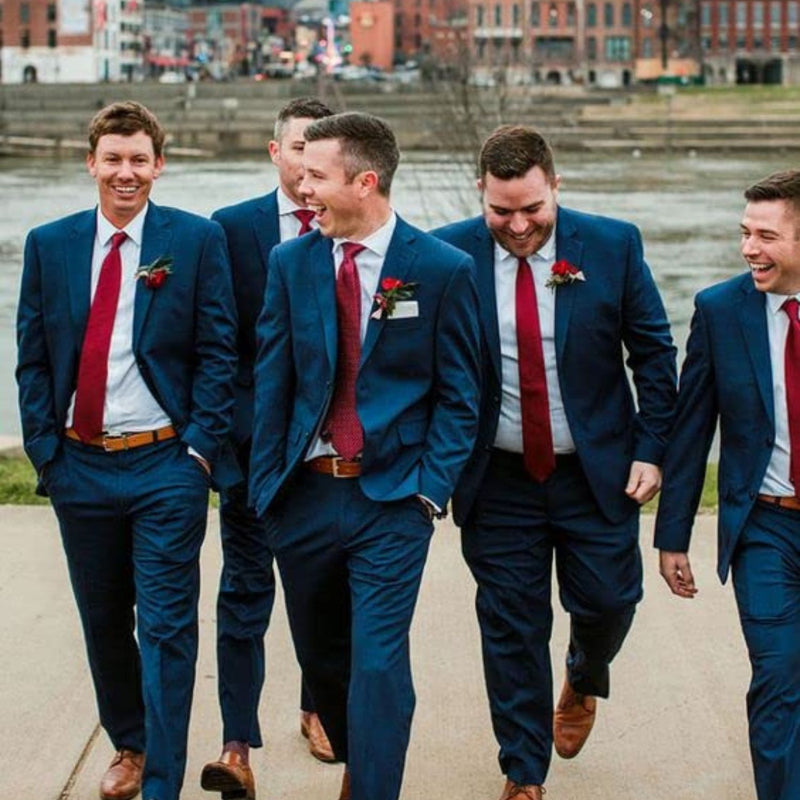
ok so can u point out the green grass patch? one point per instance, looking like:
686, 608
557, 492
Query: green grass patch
708, 499
18, 481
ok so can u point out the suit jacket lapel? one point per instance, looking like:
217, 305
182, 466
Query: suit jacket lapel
323, 279
156, 240
752, 316
78, 267
487, 295
569, 248
397, 264
267, 226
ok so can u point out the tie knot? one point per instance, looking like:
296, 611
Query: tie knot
351, 250
305, 215
117, 239
790, 306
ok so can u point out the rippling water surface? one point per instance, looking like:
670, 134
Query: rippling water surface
687, 208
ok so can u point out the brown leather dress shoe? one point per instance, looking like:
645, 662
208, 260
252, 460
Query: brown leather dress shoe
123, 778
231, 775
318, 744
518, 791
344, 794
572, 721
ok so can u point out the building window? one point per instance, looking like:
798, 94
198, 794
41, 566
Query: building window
618, 48
498, 15
51, 12
647, 48
705, 14
627, 15
24, 14
722, 42
515, 15
791, 9
758, 15
608, 16
792, 43
775, 44
741, 42
535, 21
705, 43
552, 16
571, 14
479, 16
52, 40
741, 14
591, 15
591, 48
722, 11
775, 14
647, 16
758, 42
25, 39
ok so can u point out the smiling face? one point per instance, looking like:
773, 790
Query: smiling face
344, 208
770, 245
520, 212
287, 156
124, 168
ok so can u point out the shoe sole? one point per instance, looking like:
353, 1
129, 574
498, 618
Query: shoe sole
218, 780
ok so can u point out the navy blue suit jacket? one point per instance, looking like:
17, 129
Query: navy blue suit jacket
617, 305
252, 229
727, 375
183, 332
418, 382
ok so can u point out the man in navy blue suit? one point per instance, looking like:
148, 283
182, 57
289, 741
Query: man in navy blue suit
247, 584
742, 368
365, 413
127, 352
563, 457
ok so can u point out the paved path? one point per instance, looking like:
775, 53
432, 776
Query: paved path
674, 729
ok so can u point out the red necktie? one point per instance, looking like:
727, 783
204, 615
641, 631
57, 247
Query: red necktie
346, 434
792, 378
90, 393
305, 216
537, 439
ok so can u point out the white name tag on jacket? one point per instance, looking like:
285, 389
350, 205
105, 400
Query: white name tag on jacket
403, 309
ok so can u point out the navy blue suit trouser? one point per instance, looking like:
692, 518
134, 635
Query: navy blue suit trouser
351, 570
132, 524
508, 541
766, 579
244, 606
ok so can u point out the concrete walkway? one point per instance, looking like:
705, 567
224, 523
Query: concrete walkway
674, 729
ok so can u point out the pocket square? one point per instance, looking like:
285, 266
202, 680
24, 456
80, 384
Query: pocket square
403, 309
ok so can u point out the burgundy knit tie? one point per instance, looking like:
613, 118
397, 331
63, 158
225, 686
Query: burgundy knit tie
90, 393
305, 216
343, 424
792, 378
537, 438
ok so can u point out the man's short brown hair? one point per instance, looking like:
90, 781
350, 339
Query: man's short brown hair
300, 108
126, 119
511, 151
367, 143
778, 186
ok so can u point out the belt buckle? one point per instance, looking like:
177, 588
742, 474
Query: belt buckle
123, 437
335, 461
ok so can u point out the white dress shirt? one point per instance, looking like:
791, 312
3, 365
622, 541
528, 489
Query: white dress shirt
509, 425
289, 225
776, 479
369, 263
129, 404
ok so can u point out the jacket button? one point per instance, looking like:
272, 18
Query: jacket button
769, 442
752, 495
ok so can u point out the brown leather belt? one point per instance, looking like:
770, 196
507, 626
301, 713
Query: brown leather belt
112, 443
782, 502
336, 466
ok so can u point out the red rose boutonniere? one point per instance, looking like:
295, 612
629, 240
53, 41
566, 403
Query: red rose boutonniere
155, 274
563, 272
392, 291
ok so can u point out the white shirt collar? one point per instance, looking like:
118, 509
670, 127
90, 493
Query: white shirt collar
776, 301
378, 241
134, 229
547, 252
285, 204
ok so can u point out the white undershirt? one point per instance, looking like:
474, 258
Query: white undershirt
288, 224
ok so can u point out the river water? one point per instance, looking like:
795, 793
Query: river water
688, 209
